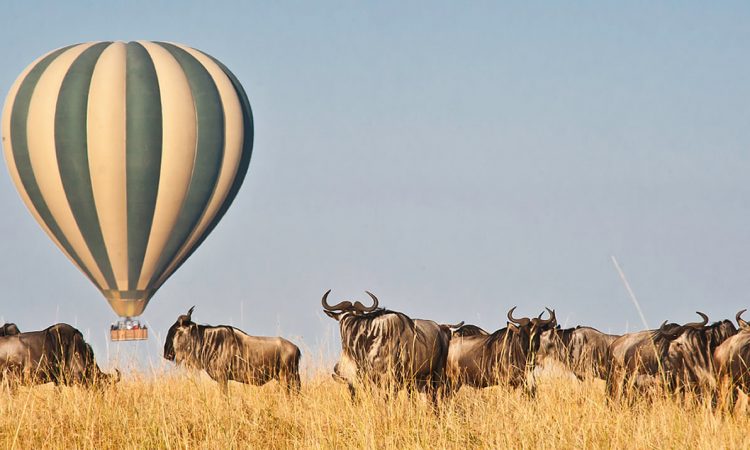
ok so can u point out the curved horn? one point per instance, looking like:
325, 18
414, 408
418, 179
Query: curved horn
742, 323
362, 308
697, 325
337, 307
190, 312
671, 333
117, 375
552, 317
523, 321
454, 326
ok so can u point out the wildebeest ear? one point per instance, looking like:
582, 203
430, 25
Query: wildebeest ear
333, 315
513, 328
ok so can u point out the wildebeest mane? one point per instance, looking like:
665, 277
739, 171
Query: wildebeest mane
502, 333
382, 312
469, 330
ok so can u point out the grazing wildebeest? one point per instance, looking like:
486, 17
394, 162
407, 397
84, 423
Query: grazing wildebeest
691, 355
57, 354
582, 350
479, 359
732, 361
9, 329
227, 353
388, 348
641, 359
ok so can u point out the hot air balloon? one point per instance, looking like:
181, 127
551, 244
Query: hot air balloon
128, 155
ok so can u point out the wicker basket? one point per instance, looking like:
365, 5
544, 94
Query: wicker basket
129, 335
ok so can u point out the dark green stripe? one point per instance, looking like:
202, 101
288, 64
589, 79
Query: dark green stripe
72, 154
143, 137
19, 143
208, 157
247, 150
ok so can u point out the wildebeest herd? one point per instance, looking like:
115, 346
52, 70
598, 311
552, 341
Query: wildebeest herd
389, 350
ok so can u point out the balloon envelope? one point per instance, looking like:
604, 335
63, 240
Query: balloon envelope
128, 155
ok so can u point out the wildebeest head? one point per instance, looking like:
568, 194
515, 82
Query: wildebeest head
9, 329
529, 330
341, 309
83, 362
178, 336
531, 327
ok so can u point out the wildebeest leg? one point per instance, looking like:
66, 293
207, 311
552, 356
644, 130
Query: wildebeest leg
10, 382
224, 386
13, 385
530, 384
518, 381
292, 383
741, 402
614, 386
436, 390
725, 394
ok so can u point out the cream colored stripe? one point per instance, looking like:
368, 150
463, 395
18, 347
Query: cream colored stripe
42, 152
10, 159
233, 139
105, 129
179, 140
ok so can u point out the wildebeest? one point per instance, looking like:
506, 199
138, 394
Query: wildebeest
583, 350
479, 359
641, 359
691, 355
227, 353
388, 348
732, 360
57, 354
9, 329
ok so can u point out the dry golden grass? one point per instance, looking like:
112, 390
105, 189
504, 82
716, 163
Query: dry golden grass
188, 411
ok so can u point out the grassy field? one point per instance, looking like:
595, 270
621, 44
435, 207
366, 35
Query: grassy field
186, 410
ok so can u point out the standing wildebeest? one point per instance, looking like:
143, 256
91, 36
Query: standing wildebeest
57, 354
583, 350
732, 360
479, 359
9, 329
691, 355
641, 359
388, 348
226, 353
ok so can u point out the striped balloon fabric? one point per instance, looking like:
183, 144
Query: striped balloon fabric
128, 155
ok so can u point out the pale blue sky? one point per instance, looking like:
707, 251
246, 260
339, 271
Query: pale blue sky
455, 160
